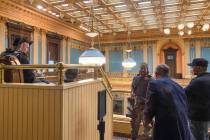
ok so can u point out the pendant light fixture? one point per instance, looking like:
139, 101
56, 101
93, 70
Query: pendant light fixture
128, 63
91, 33
92, 56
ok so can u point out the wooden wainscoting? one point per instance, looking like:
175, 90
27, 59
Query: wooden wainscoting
48, 112
80, 110
30, 112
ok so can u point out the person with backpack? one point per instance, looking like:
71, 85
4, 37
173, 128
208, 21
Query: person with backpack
21, 50
21, 46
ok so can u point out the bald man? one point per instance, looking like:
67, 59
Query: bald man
166, 102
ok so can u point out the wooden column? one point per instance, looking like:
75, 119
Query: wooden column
63, 49
145, 52
107, 59
155, 56
187, 59
69, 50
197, 49
125, 72
3, 34
44, 47
35, 45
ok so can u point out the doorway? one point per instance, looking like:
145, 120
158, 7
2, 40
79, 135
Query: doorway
170, 60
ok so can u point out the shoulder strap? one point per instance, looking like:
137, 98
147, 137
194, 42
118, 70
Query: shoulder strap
16, 53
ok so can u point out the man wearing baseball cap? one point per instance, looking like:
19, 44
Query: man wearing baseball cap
20, 50
198, 95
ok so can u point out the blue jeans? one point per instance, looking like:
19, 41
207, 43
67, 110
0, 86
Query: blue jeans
200, 129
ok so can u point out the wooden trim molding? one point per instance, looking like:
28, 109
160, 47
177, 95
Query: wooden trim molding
33, 18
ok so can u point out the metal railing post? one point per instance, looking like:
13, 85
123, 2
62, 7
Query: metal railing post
1, 73
95, 73
60, 67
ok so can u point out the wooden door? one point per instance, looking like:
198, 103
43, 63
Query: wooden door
53, 48
170, 60
19, 30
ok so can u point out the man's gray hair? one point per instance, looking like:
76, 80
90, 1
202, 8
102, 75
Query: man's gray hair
162, 69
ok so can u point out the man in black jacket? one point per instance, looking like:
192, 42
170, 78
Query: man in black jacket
198, 95
21, 50
21, 47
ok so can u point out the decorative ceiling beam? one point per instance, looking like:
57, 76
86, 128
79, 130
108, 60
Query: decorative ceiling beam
185, 4
30, 16
205, 12
137, 13
98, 20
155, 37
65, 17
111, 12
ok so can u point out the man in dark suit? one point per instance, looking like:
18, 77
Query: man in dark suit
198, 95
166, 102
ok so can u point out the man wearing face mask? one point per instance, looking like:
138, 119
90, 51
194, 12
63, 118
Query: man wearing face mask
138, 95
198, 95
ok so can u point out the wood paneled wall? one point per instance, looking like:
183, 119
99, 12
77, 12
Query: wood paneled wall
80, 110
68, 112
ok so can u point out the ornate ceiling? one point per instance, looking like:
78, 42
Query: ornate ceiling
117, 16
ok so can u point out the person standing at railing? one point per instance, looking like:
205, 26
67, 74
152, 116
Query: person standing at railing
138, 95
21, 46
20, 50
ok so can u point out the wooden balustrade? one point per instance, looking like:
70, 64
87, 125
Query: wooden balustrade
63, 111
52, 112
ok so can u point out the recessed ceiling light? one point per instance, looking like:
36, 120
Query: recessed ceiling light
57, 15
53, 13
181, 33
205, 27
119, 6
50, 12
167, 31
181, 26
87, 1
190, 24
65, 5
189, 32
39, 7
44, 9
